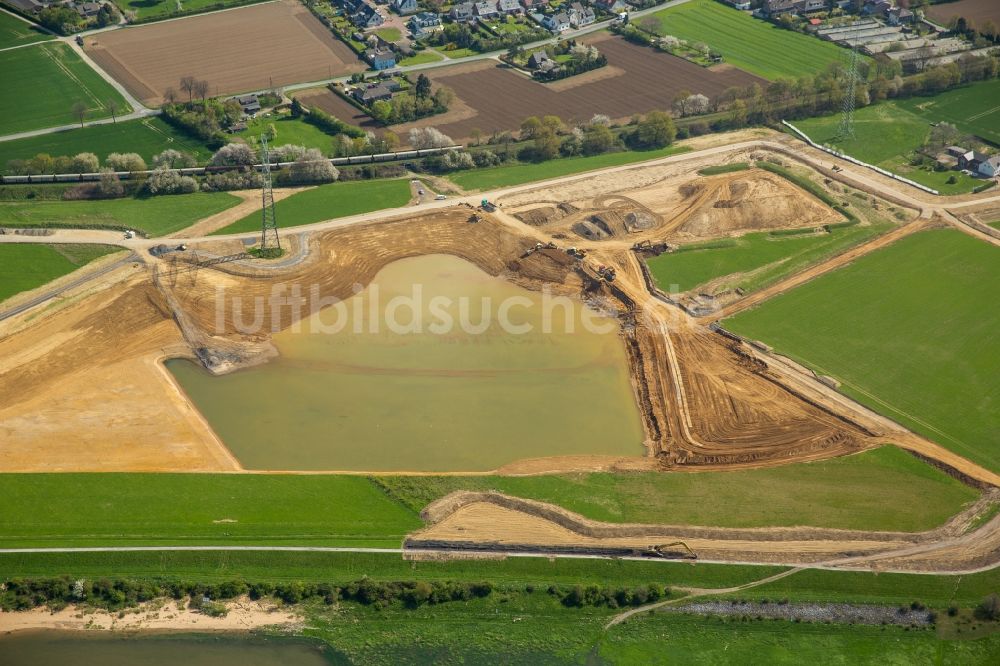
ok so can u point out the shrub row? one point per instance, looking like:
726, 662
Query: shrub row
24, 594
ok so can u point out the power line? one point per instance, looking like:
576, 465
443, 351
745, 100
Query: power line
269, 225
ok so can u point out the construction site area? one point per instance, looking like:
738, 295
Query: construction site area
84, 385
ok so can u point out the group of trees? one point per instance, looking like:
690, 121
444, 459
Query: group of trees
118, 594
595, 595
66, 20
43, 163
404, 107
551, 138
204, 120
582, 59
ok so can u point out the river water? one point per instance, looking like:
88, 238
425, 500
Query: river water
83, 649
372, 397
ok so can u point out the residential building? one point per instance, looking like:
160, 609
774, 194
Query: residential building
511, 7
362, 14
558, 22
87, 9
381, 58
486, 9
534, 5
740, 4
613, 6
462, 13
580, 16
405, 7
423, 24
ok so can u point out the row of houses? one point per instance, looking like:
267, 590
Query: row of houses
885, 9
576, 15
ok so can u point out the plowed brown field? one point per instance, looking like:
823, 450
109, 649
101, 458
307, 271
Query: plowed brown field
976, 11
644, 80
255, 48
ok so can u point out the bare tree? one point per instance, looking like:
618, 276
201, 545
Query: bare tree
200, 89
113, 109
187, 85
80, 111
170, 95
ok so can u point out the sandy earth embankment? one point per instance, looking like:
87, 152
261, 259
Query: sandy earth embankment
244, 614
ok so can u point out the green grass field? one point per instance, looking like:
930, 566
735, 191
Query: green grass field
291, 131
907, 331
146, 136
389, 34
833, 493
163, 9
26, 266
503, 176
886, 135
754, 260
15, 32
748, 43
327, 202
41, 84
421, 58
163, 509
974, 109
156, 216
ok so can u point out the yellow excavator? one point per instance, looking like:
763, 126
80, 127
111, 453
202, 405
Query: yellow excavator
664, 550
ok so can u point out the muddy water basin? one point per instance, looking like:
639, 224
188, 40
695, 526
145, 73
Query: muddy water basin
435, 366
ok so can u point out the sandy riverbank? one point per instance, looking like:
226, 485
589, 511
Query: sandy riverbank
161, 615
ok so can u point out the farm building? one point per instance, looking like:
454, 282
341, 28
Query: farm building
249, 103
374, 93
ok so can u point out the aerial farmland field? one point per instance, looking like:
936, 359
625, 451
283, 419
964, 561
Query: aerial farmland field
164, 9
146, 136
975, 11
252, 48
636, 79
974, 109
15, 31
42, 82
887, 135
748, 43
903, 329
25, 267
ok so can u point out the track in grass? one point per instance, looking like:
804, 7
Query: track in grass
42, 83
146, 136
906, 330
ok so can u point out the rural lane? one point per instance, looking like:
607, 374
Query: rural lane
457, 554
